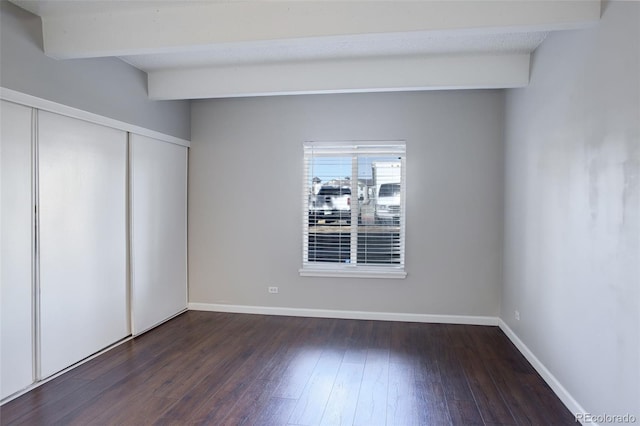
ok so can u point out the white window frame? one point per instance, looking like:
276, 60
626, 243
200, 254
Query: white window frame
354, 149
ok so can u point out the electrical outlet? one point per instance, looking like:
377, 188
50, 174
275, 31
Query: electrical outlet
517, 315
273, 290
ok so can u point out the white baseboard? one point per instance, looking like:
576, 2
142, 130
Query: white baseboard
562, 393
360, 315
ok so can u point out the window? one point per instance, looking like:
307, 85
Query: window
354, 209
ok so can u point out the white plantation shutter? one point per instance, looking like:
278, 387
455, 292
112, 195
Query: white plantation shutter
354, 209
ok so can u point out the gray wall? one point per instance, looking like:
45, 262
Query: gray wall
572, 259
106, 86
245, 200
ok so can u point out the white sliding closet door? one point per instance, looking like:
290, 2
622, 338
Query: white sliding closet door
16, 344
158, 230
83, 239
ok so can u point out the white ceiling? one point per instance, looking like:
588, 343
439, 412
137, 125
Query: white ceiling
204, 49
337, 47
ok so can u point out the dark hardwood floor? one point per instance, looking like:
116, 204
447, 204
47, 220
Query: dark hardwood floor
231, 369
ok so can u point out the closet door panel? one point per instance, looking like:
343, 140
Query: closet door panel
16, 345
158, 231
83, 246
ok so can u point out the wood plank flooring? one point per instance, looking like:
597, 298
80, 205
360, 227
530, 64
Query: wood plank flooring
205, 368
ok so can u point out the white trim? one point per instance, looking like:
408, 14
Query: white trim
130, 229
35, 248
356, 273
45, 105
359, 315
353, 147
562, 393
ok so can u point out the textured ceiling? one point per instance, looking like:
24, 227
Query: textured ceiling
194, 49
337, 47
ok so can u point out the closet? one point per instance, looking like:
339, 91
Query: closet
82, 239
16, 235
158, 230
93, 237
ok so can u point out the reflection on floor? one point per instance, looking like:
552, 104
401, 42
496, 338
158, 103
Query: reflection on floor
232, 369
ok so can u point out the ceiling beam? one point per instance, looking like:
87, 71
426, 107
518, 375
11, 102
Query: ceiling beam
71, 31
343, 76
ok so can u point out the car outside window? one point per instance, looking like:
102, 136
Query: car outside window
390, 190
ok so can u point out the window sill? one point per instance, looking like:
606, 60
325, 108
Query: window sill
352, 273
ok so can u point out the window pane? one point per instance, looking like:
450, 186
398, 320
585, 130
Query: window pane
330, 209
379, 233
353, 205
